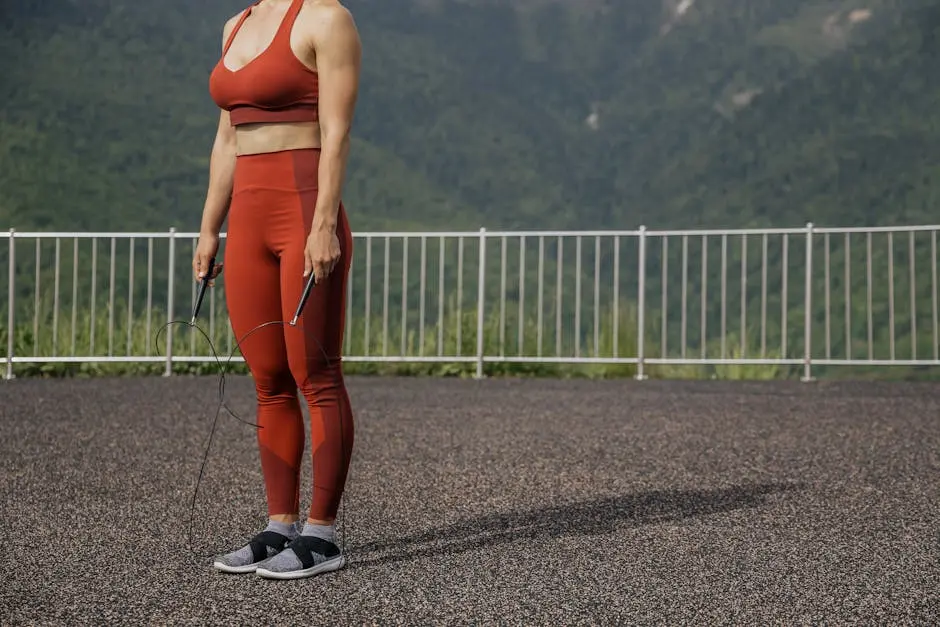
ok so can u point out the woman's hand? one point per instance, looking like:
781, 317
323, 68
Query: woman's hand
321, 253
206, 248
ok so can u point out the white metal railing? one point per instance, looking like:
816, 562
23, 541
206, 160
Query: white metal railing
801, 297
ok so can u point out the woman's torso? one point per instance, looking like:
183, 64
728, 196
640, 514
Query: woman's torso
266, 78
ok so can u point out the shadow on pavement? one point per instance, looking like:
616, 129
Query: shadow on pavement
594, 517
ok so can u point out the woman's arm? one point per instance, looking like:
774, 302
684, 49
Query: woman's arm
221, 163
338, 54
221, 177
221, 182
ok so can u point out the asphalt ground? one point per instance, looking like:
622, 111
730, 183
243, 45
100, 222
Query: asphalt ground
515, 502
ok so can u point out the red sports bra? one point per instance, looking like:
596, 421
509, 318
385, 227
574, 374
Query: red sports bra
275, 86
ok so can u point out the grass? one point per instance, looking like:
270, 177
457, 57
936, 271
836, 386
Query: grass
89, 335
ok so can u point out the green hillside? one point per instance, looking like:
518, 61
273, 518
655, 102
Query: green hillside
476, 113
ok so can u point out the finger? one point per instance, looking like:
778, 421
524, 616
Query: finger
308, 265
203, 265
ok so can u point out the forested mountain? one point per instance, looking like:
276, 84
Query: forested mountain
538, 114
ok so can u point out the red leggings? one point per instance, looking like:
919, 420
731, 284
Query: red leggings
269, 219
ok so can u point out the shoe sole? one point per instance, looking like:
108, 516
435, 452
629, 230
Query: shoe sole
324, 567
239, 570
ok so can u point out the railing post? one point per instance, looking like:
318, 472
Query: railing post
11, 295
808, 307
480, 297
169, 304
641, 306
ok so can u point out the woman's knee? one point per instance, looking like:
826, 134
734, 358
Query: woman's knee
274, 384
316, 373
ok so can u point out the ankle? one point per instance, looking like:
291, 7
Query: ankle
289, 529
322, 523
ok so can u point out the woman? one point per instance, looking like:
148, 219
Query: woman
287, 82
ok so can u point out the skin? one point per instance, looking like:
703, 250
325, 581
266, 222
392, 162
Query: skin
326, 39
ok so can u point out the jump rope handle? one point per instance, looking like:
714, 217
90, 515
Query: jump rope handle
303, 298
202, 291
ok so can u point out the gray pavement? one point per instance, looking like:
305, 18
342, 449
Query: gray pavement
515, 502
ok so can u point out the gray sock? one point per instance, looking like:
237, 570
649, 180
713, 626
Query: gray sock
243, 556
326, 532
287, 560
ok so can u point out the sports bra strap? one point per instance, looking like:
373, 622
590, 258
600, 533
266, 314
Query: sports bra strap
238, 25
288, 24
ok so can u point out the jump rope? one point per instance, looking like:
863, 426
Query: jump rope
222, 370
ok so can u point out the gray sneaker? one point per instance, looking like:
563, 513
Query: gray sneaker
303, 556
260, 549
